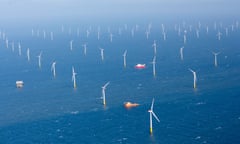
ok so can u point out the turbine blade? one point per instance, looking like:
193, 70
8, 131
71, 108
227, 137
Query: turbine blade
152, 104
155, 116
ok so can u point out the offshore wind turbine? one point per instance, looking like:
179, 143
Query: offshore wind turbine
13, 46
194, 78
132, 32
32, 32
53, 68
124, 59
74, 78
88, 33
154, 66
85, 49
197, 33
111, 37
98, 33
181, 53
6, 43
19, 49
44, 34
154, 45
164, 36
184, 38
28, 54
39, 59
226, 31
215, 58
151, 112
147, 33
103, 92
219, 35
71, 45
51, 35
102, 54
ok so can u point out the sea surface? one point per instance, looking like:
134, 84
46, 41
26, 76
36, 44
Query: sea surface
50, 110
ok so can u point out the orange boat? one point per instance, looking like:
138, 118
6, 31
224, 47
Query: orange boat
130, 105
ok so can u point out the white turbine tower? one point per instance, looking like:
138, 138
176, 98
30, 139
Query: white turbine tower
74, 78
184, 38
87, 33
19, 49
219, 34
102, 54
152, 114
194, 78
103, 92
71, 45
111, 37
28, 54
215, 58
98, 33
197, 33
124, 59
154, 45
85, 49
53, 68
13, 46
6, 43
154, 66
51, 35
39, 59
181, 53
147, 33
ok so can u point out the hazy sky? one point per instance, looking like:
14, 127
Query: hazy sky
115, 9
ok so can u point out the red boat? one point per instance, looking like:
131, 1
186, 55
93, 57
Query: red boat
140, 66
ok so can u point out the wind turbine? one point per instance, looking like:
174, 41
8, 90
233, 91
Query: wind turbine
28, 54
164, 36
219, 35
152, 114
85, 49
98, 33
194, 78
147, 33
88, 32
181, 52
53, 68
215, 58
71, 45
6, 43
103, 92
124, 58
226, 31
32, 32
132, 32
39, 59
163, 28
44, 34
19, 49
111, 37
51, 35
197, 33
154, 45
13, 46
154, 66
74, 78
102, 54
184, 38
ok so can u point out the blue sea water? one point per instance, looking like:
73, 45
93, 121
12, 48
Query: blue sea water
50, 110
